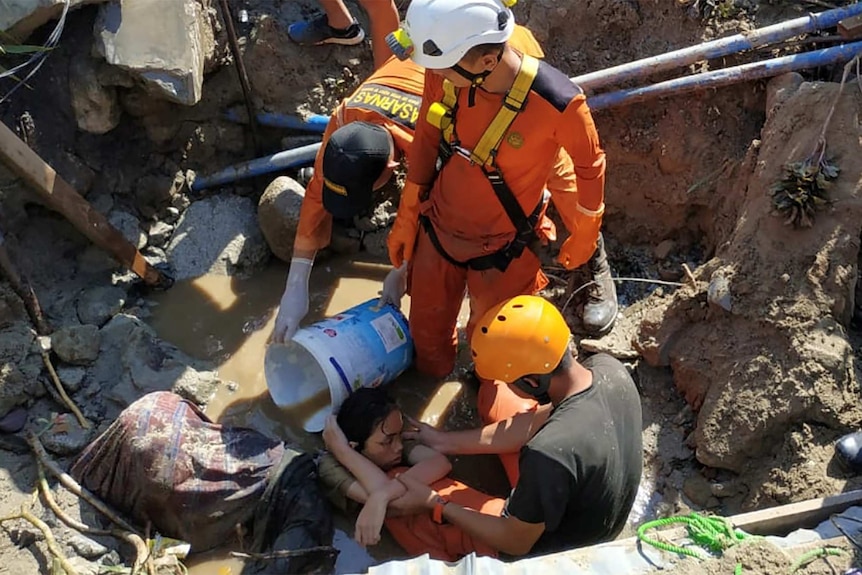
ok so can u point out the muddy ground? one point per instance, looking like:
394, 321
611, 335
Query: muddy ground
742, 405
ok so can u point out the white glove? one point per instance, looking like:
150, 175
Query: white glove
394, 286
294, 302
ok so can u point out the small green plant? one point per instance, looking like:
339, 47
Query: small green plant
804, 190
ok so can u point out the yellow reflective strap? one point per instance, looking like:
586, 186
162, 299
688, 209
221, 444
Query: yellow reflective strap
513, 103
450, 99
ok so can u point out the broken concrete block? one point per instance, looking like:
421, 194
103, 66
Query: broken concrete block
163, 43
96, 107
278, 214
20, 17
219, 234
129, 226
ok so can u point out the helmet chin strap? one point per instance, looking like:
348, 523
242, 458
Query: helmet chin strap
476, 79
536, 386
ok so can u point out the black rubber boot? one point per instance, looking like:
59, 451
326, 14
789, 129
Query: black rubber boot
600, 311
848, 449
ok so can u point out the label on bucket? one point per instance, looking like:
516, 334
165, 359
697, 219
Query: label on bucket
389, 331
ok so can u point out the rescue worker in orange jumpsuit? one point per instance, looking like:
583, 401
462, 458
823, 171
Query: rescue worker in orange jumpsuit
368, 133
492, 124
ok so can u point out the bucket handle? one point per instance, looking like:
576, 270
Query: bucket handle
342, 375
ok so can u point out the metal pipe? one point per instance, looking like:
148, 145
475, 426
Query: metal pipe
240, 70
314, 123
726, 76
294, 158
716, 48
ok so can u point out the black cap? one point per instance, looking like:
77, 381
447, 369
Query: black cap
354, 158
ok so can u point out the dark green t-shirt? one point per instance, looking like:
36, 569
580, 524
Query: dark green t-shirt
580, 473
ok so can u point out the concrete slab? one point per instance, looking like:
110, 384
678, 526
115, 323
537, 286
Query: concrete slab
20, 17
160, 42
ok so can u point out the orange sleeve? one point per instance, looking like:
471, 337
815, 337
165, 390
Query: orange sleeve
315, 224
578, 136
422, 158
563, 186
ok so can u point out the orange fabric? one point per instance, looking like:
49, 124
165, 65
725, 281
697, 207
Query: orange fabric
436, 290
371, 102
472, 224
315, 223
497, 401
418, 534
402, 238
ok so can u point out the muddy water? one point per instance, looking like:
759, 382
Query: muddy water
228, 321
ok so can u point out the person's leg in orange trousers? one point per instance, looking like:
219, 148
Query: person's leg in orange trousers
418, 534
436, 291
383, 17
496, 400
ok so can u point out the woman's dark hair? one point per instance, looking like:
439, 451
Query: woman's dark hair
362, 412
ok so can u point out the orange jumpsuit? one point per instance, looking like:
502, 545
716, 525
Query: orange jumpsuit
391, 98
470, 221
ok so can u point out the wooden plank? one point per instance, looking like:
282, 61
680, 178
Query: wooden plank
59, 196
851, 28
785, 518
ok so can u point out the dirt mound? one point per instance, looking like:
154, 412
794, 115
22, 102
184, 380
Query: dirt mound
779, 357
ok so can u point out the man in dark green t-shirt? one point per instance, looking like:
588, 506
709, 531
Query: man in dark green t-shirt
580, 463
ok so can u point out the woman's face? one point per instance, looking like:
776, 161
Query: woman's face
383, 446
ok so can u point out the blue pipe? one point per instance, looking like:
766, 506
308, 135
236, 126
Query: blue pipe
726, 76
716, 48
294, 158
314, 123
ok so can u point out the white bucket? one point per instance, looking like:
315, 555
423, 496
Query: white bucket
364, 346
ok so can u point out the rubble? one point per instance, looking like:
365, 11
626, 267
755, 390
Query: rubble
165, 44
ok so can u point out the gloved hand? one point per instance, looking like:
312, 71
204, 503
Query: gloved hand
402, 237
581, 244
294, 301
394, 286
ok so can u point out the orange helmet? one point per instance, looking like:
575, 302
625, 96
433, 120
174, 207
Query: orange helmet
525, 335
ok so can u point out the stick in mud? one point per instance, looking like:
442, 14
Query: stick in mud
69, 483
22, 288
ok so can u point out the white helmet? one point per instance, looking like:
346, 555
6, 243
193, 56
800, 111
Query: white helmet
442, 31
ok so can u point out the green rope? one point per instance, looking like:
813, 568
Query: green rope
713, 533
815, 554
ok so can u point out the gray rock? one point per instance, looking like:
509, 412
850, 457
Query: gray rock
66, 436
219, 234
86, 547
160, 233
96, 107
163, 43
99, 304
278, 214
71, 376
21, 17
129, 226
77, 344
13, 388
134, 362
